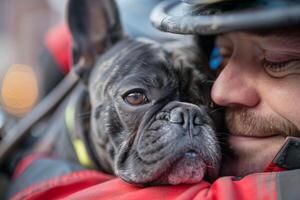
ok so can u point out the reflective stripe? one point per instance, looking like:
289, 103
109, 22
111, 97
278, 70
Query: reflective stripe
78, 145
81, 152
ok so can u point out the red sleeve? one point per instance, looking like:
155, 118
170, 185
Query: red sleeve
94, 185
253, 187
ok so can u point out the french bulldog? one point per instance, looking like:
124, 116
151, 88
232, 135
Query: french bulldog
150, 121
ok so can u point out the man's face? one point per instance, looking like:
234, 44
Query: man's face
259, 84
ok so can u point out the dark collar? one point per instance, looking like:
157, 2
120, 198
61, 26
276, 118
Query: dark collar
288, 157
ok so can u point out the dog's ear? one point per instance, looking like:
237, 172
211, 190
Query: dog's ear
95, 26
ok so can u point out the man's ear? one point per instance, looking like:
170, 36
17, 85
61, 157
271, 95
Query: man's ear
95, 26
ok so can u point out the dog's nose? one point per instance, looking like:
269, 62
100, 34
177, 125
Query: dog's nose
186, 117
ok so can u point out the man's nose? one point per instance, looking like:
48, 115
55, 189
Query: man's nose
235, 86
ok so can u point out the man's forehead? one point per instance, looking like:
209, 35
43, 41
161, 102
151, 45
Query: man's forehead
289, 35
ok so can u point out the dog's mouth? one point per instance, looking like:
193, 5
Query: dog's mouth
185, 164
187, 169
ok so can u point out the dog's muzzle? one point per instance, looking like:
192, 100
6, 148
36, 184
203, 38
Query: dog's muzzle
178, 146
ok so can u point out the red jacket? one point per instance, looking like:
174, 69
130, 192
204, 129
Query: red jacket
88, 184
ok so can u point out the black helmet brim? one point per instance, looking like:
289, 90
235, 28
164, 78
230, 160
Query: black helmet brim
182, 18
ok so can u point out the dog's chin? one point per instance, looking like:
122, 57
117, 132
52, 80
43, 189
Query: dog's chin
186, 170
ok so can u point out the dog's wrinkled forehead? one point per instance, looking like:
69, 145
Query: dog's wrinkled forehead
134, 61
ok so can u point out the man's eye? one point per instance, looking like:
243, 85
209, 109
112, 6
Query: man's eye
274, 66
219, 58
281, 68
135, 98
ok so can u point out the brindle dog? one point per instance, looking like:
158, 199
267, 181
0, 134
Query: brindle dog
150, 121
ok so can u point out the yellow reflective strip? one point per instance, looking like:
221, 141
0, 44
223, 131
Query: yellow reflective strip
78, 145
82, 153
69, 115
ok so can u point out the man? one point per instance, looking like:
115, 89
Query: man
258, 85
257, 82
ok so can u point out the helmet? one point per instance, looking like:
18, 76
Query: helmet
209, 17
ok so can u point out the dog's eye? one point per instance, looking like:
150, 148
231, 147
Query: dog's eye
135, 98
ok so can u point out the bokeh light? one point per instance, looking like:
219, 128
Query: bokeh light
19, 90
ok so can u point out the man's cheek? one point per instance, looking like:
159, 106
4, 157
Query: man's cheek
282, 98
290, 110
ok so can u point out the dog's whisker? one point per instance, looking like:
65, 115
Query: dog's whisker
217, 109
222, 134
220, 142
84, 115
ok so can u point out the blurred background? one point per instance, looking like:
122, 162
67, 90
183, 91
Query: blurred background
23, 25
34, 50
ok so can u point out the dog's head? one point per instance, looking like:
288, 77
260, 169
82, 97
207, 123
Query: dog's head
150, 122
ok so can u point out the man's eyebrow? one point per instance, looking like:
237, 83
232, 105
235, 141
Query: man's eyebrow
286, 36
282, 32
